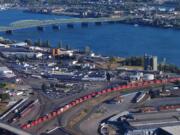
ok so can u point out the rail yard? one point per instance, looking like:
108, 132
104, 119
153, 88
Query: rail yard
59, 90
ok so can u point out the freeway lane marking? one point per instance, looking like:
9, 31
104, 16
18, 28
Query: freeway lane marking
50, 131
158, 123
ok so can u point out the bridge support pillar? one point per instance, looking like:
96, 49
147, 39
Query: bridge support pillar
119, 21
9, 32
84, 24
70, 25
98, 23
40, 28
111, 22
56, 27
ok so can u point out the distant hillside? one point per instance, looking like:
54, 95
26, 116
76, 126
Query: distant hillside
31, 2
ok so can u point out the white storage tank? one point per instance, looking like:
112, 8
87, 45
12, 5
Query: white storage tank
148, 77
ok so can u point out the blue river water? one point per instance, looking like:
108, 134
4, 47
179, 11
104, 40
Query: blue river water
107, 39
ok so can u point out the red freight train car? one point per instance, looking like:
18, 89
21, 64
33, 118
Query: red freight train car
94, 94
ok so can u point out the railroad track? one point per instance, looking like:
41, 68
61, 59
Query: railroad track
80, 100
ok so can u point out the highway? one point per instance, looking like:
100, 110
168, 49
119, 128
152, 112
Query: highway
13, 129
13, 109
23, 24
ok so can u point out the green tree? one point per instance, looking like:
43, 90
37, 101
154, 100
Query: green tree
67, 47
2, 85
169, 68
134, 61
4, 96
38, 43
29, 41
43, 87
59, 45
87, 50
47, 44
111, 61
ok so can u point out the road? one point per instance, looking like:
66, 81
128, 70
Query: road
93, 123
13, 129
94, 119
48, 105
22, 24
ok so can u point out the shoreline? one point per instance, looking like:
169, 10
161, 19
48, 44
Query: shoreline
123, 54
130, 22
134, 22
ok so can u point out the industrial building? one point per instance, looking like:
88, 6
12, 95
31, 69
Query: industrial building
56, 52
21, 44
6, 72
59, 52
150, 62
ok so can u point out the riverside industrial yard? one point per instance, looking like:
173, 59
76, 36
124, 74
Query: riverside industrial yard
101, 75
61, 91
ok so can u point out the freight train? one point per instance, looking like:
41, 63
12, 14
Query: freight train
68, 106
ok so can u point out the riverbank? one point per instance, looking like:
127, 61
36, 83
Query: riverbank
159, 23
162, 17
70, 14
136, 21
107, 39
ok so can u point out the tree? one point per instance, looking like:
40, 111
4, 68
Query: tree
60, 62
31, 2
38, 43
43, 87
67, 47
87, 50
108, 77
29, 41
4, 96
112, 60
134, 61
52, 2
169, 68
59, 45
47, 44
177, 83
2, 85
52, 85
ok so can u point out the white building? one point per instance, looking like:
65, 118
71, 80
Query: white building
20, 44
148, 77
5, 72
4, 46
39, 55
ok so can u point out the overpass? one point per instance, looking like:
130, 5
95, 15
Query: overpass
23, 24
13, 130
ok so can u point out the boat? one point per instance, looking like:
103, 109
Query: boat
136, 25
3, 8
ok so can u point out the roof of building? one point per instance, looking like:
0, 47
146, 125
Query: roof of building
174, 130
4, 69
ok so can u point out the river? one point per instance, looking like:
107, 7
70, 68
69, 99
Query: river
107, 39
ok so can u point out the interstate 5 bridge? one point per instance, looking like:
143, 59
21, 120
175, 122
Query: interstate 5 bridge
23, 24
